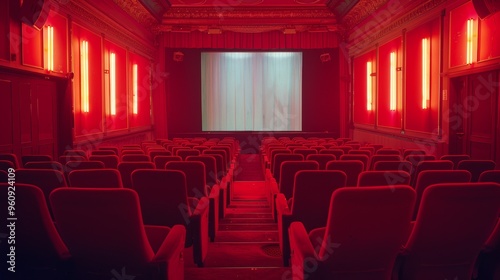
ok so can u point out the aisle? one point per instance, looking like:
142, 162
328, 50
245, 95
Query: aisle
246, 246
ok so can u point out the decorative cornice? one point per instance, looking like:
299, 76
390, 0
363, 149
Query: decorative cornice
85, 15
356, 44
136, 10
362, 10
249, 28
341, 7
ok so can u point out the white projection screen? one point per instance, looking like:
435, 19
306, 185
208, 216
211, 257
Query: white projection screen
251, 91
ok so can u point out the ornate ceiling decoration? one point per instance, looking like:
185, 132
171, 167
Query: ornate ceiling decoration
136, 10
360, 11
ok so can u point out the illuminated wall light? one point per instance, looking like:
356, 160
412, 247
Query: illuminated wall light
470, 36
84, 76
393, 82
112, 83
426, 68
49, 64
369, 86
134, 90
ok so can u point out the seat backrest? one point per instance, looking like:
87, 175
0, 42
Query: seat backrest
490, 176
288, 171
135, 158
126, 169
95, 178
195, 176
102, 227
210, 168
430, 165
102, 153
137, 151
279, 159
273, 154
163, 196
476, 167
75, 152
6, 164
28, 158
161, 161
431, 177
184, 153
110, 161
393, 165
77, 165
368, 225
109, 148
383, 178
37, 240
414, 159
46, 179
407, 152
368, 153
223, 164
321, 159
311, 195
453, 223
305, 152
364, 158
333, 151
44, 165
70, 157
351, 168
376, 158
388, 151
455, 158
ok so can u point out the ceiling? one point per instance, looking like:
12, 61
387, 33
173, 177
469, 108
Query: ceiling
249, 16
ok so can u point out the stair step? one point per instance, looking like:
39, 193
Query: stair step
248, 227
240, 273
247, 236
250, 221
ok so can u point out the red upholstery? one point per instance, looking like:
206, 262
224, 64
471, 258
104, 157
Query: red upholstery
455, 158
70, 157
490, 176
351, 168
383, 178
321, 159
103, 153
135, 158
376, 158
126, 169
305, 152
333, 151
414, 159
40, 252
75, 152
103, 229
164, 202
476, 167
161, 161
95, 178
197, 188
430, 165
132, 152
311, 196
431, 177
364, 158
109, 148
489, 259
110, 161
29, 158
184, 153
454, 221
6, 164
363, 234
407, 152
388, 151
402, 165
368, 153
44, 165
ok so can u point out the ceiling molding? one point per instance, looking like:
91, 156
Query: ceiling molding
136, 10
341, 7
362, 10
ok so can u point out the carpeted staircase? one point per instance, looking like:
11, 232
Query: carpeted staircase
246, 246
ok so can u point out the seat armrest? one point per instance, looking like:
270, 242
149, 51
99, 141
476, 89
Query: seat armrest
156, 235
282, 205
274, 186
172, 245
214, 191
301, 248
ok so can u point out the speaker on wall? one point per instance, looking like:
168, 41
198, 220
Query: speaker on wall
35, 12
485, 8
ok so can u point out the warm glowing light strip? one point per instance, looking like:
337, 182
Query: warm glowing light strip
369, 86
470, 30
50, 48
393, 85
134, 88
426, 59
112, 83
84, 75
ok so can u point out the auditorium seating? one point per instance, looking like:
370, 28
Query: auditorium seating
29, 158
126, 169
321, 159
44, 165
164, 202
6, 164
376, 158
110, 161
103, 230
383, 178
40, 253
430, 165
364, 158
95, 178
362, 238
352, 169
490, 176
135, 158
455, 158
312, 187
102, 153
476, 167
402, 165
161, 161
453, 223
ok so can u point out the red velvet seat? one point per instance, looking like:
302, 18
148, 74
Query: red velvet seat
110, 161
407, 152
476, 167
490, 176
40, 252
368, 153
6, 164
104, 231
430, 165
311, 196
135, 158
109, 148
158, 152
402, 165
184, 153
28, 158
383, 178
103, 153
44, 165
376, 158
414, 159
75, 152
164, 202
363, 235
95, 178
453, 223
198, 188
488, 263
364, 158
305, 152
132, 152
352, 169
66, 158
427, 178
455, 158
161, 161
388, 151
126, 169
333, 151
321, 159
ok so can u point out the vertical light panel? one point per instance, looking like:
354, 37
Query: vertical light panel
393, 82
426, 67
134, 90
369, 86
470, 36
112, 84
84, 76
49, 44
